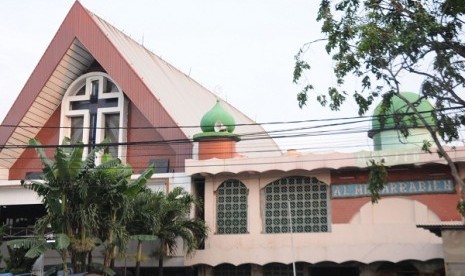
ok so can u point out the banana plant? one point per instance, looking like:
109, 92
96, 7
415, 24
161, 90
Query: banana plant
39, 246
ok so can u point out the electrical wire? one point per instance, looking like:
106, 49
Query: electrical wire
284, 133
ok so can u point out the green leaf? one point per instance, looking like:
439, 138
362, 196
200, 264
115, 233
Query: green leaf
38, 249
299, 68
377, 179
26, 243
144, 237
461, 207
61, 241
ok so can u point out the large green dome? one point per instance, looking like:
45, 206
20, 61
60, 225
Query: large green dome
398, 106
217, 119
387, 123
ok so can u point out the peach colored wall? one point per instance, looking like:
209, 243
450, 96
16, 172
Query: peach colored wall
443, 205
369, 241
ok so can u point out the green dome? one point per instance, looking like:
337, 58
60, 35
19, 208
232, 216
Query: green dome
217, 120
398, 106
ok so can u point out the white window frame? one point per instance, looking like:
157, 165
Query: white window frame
121, 109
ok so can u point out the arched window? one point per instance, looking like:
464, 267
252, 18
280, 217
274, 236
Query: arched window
306, 197
94, 109
231, 207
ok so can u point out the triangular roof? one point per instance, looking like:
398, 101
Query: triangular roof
83, 38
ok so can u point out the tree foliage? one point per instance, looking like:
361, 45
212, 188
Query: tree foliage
174, 222
18, 262
87, 204
92, 203
166, 218
380, 43
377, 178
145, 208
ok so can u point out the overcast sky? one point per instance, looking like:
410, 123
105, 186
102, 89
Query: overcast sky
241, 50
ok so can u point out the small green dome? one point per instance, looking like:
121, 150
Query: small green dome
217, 120
398, 106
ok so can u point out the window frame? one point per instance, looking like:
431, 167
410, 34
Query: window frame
121, 108
217, 192
281, 210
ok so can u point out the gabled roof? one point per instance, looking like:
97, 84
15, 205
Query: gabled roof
160, 91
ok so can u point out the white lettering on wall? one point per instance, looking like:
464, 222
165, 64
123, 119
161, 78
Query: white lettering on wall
394, 188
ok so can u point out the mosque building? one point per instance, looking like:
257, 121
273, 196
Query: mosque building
315, 211
268, 212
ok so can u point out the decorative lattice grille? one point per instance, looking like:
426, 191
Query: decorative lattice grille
308, 198
230, 270
231, 215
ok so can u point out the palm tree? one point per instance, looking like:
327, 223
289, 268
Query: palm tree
116, 192
174, 221
144, 209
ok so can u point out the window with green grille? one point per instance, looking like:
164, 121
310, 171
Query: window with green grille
308, 200
231, 207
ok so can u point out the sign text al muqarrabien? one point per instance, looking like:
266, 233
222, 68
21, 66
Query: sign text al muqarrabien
395, 188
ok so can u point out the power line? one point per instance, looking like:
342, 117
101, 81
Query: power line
286, 133
244, 136
274, 161
249, 136
364, 118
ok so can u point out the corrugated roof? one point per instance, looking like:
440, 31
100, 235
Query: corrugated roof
185, 100
83, 37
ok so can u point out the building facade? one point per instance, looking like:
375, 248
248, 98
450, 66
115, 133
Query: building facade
313, 213
269, 213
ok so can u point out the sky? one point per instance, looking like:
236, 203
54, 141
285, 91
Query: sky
241, 50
